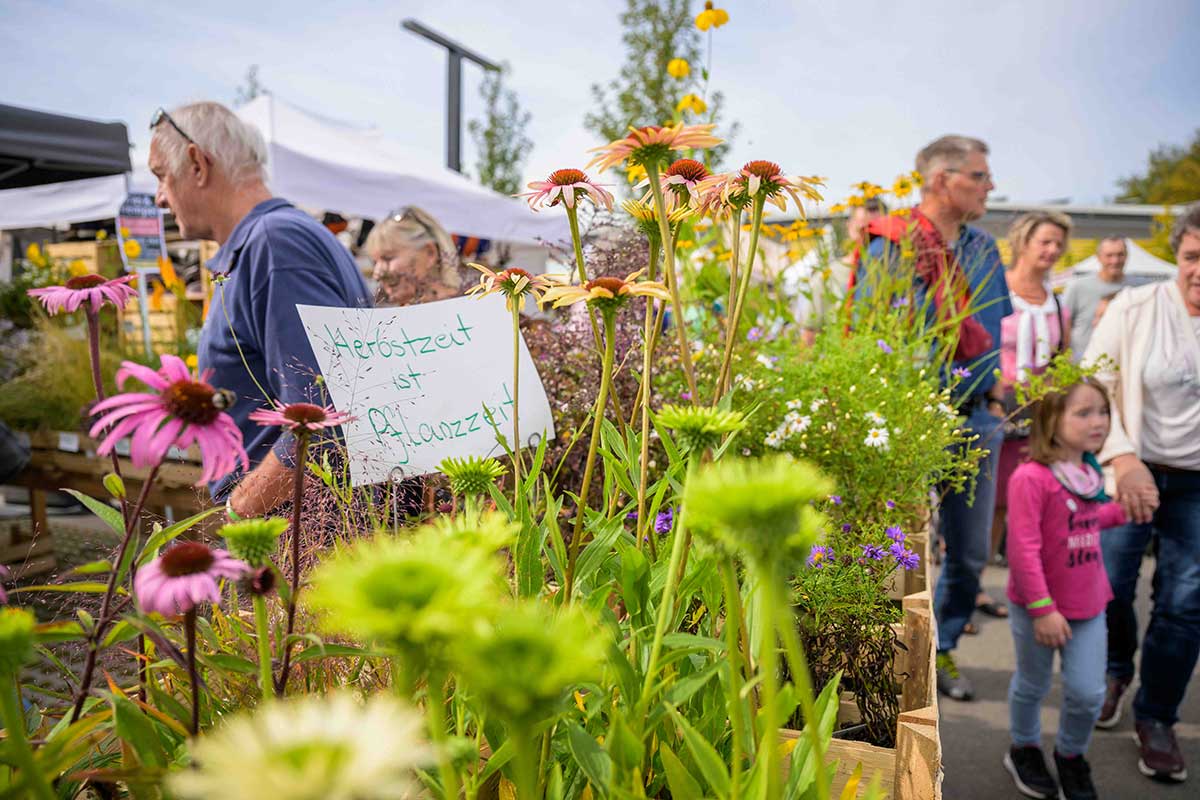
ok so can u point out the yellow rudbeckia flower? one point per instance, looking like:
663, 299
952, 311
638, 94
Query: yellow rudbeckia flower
711, 17
133, 248
903, 186
693, 103
678, 68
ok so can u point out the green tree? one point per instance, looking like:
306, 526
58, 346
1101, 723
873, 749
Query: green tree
501, 144
656, 31
1172, 177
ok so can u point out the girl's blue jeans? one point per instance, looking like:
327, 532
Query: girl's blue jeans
1083, 683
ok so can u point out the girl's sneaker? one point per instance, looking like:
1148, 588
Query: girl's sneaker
1075, 776
1029, 772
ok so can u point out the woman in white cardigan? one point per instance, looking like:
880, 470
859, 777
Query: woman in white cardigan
1152, 335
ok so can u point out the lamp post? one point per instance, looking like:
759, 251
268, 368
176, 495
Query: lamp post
455, 53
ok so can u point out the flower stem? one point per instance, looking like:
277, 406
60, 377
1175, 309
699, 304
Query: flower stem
436, 712
593, 445
668, 245
724, 375
524, 765
93, 328
808, 703
733, 614
573, 220
666, 605
768, 665
644, 456
19, 749
105, 617
266, 679
189, 627
297, 503
516, 394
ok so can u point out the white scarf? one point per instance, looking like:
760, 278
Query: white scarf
1033, 333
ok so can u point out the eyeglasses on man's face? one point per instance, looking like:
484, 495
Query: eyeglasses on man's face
977, 175
160, 115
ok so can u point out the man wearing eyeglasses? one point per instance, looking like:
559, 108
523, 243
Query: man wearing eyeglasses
955, 185
211, 175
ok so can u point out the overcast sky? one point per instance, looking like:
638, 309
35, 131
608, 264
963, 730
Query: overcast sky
1071, 94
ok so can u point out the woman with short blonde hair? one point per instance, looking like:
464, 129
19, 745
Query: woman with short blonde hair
415, 259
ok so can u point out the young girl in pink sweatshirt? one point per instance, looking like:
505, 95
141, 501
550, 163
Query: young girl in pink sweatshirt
1058, 587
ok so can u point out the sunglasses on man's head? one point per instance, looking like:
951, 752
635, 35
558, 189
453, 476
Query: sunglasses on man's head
162, 114
404, 214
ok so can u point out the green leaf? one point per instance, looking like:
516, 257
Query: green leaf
159, 538
121, 632
682, 691
64, 631
683, 785
554, 786
332, 651
111, 516
597, 550
711, 766
528, 557
590, 757
228, 662
635, 578
92, 568
79, 587
138, 731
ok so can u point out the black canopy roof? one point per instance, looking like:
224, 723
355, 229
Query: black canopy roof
37, 147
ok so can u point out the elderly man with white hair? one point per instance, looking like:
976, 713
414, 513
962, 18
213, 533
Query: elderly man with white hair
210, 169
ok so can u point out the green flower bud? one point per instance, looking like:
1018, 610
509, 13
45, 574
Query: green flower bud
699, 428
114, 485
471, 475
254, 540
16, 639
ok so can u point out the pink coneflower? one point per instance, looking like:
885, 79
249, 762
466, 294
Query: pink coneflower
3, 574
567, 186
301, 417
653, 144
184, 576
736, 189
683, 179
182, 411
94, 289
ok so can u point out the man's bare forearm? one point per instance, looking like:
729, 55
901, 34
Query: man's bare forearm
263, 489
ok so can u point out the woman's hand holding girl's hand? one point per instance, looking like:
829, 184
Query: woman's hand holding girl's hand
1051, 630
1136, 490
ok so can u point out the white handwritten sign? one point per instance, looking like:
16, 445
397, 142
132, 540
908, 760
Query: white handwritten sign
423, 381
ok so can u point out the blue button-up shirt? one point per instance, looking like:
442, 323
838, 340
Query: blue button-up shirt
276, 257
976, 251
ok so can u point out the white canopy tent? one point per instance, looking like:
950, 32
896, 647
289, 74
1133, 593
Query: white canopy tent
1140, 266
321, 164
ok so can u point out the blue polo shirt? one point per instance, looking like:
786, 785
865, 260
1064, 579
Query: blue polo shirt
276, 257
976, 251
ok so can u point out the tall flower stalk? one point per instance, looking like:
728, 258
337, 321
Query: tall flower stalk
668, 240
16, 648
608, 294
739, 299
254, 541
302, 420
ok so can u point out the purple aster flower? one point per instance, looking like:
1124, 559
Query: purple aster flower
900, 302
632, 515
685, 395
884, 346
891, 505
904, 557
873, 552
819, 555
754, 334
846, 527
895, 534
961, 372
836, 499
664, 521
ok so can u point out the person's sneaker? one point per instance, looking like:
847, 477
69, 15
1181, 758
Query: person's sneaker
1075, 777
950, 681
1160, 757
1114, 693
1028, 768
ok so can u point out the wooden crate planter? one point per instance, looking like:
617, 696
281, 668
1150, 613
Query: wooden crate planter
68, 461
99, 257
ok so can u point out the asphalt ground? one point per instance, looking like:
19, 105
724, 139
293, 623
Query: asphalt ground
975, 734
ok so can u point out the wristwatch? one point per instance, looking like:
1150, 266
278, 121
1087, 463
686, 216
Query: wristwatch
230, 514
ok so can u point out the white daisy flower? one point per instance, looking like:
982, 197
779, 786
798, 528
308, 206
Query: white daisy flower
815, 405
876, 419
877, 437
349, 750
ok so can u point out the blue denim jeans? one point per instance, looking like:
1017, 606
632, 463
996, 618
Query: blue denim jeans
966, 528
1172, 640
1083, 683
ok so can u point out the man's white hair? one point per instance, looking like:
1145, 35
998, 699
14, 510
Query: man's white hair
947, 152
237, 148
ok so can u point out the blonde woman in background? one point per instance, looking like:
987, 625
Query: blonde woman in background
415, 259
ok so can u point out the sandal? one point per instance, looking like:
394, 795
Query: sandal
993, 609
970, 629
